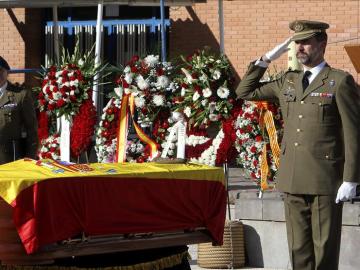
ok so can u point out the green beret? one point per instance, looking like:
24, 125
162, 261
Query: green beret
306, 29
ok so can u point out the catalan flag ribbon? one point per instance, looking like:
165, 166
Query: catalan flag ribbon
266, 121
128, 110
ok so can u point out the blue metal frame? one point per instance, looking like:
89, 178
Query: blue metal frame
153, 22
25, 70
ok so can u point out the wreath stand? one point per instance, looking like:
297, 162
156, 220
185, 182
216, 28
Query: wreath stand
232, 253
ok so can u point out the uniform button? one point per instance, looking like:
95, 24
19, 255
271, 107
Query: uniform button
298, 130
320, 104
327, 157
296, 144
300, 116
302, 102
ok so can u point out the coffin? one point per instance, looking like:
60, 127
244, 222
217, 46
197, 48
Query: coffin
194, 212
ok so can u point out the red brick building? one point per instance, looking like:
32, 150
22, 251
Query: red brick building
251, 28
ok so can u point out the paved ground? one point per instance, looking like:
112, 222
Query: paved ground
195, 267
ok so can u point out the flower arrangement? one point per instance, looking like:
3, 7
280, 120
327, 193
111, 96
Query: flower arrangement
63, 90
205, 93
136, 151
151, 82
66, 91
106, 133
251, 140
50, 147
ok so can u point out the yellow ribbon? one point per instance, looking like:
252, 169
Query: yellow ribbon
267, 121
128, 104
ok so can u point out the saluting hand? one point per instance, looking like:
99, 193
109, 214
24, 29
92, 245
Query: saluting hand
277, 51
346, 192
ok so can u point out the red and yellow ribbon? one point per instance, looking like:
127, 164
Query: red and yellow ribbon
128, 105
267, 121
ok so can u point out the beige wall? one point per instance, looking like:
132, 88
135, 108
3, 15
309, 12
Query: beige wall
21, 40
254, 26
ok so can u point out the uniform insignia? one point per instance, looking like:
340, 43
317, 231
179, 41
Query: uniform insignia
298, 27
332, 83
290, 81
327, 95
290, 94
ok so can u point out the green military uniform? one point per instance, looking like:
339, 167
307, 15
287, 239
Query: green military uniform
17, 114
320, 150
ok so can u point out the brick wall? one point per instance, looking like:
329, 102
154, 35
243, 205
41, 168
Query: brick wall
21, 41
252, 27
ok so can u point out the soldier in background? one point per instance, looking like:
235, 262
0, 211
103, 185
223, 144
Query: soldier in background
320, 152
17, 114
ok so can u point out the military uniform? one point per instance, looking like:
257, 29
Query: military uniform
17, 114
320, 150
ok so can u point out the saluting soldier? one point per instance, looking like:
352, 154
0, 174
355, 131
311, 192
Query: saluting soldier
320, 152
17, 114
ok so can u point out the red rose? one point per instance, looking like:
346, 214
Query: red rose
106, 124
253, 149
134, 69
125, 84
258, 138
109, 111
197, 88
135, 58
165, 125
159, 72
60, 103
51, 107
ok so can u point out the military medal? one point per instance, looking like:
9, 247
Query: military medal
332, 83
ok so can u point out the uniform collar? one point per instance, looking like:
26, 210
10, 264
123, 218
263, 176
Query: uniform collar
315, 70
3, 88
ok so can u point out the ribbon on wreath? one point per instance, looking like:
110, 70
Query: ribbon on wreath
64, 127
127, 110
266, 121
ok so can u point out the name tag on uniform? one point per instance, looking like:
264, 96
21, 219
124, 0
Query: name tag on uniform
326, 95
9, 106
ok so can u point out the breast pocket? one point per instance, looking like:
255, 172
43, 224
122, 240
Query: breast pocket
323, 109
328, 111
330, 150
8, 114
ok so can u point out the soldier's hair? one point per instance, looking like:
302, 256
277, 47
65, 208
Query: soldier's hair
322, 36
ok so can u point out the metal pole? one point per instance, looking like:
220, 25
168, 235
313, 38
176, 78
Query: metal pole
56, 34
163, 31
221, 26
95, 95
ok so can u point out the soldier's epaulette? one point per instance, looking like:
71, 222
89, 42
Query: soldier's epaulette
339, 71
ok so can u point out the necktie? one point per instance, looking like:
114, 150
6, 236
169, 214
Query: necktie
305, 80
